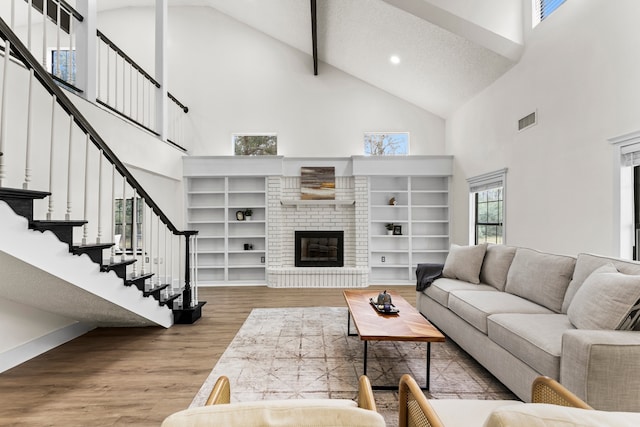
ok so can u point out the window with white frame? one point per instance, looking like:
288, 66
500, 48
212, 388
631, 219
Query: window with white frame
487, 208
543, 8
386, 143
255, 144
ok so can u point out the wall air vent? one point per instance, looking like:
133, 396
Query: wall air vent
527, 121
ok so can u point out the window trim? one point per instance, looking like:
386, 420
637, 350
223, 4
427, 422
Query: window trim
484, 182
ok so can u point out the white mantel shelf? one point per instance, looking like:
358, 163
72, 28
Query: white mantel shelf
336, 203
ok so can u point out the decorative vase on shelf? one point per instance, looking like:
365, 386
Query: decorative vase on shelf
389, 228
247, 214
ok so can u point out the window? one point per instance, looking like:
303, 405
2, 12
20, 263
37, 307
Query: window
123, 218
386, 143
487, 208
543, 8
265, 144
67, 64
488, 220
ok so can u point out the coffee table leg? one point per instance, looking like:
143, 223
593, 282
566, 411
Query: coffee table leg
428, 365
365, 357
349, 334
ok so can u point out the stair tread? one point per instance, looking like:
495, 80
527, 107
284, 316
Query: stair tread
19, 193
62, 222
112, 265
132, 278
92, 246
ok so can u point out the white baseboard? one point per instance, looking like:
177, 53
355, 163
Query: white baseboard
28, 351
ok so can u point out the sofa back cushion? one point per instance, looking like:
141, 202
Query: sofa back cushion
605, 300
547, 415
496, 265
587, 264
464, 263
540, 277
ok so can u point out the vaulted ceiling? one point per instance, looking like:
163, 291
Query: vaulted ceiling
448, 50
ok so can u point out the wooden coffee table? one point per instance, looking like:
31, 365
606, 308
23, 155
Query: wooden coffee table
407, 325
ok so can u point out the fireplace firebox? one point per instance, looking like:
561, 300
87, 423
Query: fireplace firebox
319, 249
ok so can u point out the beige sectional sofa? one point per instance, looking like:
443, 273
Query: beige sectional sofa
522, 313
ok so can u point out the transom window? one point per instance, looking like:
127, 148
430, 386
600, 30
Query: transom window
386, 143
255, 144
543, 8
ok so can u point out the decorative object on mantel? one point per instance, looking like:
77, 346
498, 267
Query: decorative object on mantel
397, 230
247, 214
240, 215
392, 201
318, 183
389, 228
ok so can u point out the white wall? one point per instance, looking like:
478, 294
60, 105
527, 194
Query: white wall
236, 79
580, 72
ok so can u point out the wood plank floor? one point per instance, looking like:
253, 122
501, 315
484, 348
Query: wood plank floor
138, 376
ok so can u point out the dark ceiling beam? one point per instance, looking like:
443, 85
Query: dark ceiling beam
314, 37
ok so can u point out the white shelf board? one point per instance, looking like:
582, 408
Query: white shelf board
298, 203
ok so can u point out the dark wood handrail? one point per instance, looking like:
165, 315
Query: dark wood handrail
70, 8
180, 104
126, 57
133, 63
22, 53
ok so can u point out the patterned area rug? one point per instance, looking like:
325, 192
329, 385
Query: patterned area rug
297, 353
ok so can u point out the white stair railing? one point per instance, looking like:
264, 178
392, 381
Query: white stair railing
66, 123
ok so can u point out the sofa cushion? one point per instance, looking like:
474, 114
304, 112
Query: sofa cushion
540, 277
439, 289
298, 412
495, 266
605, 299
547, 415
536, 339
475, 306
587, 264
474, 411
464, 262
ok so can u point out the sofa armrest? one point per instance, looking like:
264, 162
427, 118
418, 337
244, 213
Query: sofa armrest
602, 368
365, 394
221, 392
548, 390
414, 408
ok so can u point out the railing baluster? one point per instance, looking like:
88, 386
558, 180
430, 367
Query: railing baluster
58, 30
130, 90
143, 236
108, 77
112, 258
100, 200
151, 216
134, 232
29, 23
166, 260
123, 219
70, 74
99, 67
3, 113
13, 14
115, 80
67, 215
85, 227
27, 167
44, 33
51, 156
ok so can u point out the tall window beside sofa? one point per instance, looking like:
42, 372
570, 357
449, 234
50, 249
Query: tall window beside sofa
487, 207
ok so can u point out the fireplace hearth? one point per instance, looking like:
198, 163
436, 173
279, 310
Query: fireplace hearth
319, 248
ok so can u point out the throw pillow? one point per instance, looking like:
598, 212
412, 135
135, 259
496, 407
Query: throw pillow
605, 300
496, 265
464, 262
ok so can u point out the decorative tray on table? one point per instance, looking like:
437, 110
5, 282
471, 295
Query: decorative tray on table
380, 308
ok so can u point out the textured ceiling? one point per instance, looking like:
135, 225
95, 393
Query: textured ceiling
438, 70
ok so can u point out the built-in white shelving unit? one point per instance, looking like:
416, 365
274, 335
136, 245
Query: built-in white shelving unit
229, 250
421, 210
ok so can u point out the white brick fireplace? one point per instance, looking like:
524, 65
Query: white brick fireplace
288, 214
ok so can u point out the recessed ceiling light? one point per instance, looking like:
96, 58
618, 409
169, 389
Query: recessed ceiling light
394, 59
